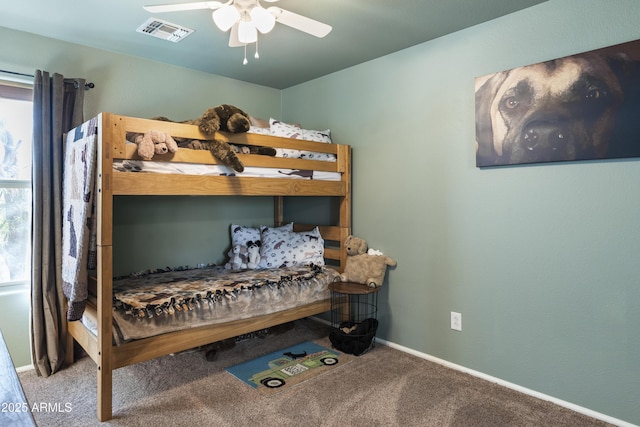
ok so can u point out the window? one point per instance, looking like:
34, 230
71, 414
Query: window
16, 116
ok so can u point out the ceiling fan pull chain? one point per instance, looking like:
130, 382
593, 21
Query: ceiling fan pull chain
244, 62
256, 55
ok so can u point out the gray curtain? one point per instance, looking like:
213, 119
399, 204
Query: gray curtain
57, 108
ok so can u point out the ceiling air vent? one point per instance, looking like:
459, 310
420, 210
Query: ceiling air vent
164, 30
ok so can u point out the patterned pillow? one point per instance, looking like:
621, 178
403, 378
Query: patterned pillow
241, 234
287, 130
281, 248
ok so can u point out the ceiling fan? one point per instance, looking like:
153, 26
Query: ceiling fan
246, 17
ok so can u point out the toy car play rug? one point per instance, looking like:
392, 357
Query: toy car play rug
285, 368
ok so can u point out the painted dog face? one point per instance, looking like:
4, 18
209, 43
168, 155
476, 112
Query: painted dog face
557, 110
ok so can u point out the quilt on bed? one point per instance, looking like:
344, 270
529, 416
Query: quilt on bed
79, 225
166, 301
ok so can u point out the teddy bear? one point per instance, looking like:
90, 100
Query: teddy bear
361, 267
154, 142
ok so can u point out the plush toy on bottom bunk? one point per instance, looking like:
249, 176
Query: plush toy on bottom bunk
253, 249
236, 261
241, 257
364, 267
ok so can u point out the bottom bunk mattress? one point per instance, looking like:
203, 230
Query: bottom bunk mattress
164, 301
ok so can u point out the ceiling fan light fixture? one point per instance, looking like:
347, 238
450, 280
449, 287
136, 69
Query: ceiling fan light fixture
263, 20
245, 18
225, 17
247, 32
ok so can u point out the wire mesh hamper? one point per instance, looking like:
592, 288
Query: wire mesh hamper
354, 312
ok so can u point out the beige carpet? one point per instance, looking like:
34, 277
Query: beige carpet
384, 387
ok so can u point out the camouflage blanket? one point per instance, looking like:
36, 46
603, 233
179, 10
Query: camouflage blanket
168, 292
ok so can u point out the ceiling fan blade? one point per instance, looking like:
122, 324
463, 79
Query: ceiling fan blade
234, 40
179, 7
299, 22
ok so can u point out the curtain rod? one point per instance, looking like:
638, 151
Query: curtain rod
87, 86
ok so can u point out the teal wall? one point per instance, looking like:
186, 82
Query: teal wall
542, 261
152, 232
14, 323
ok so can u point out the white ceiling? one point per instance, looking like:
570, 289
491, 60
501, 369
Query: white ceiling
362, 30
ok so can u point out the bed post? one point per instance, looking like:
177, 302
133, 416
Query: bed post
344, 154
278, 211
110, 131
68, 354
105, 366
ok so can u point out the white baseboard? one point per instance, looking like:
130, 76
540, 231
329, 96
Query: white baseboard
24, 368
507, 384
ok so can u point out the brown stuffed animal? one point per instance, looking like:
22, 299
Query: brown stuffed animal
231, 119
154, 142
362, 267
225, 118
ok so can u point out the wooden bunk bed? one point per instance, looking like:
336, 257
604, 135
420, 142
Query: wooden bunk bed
111, 146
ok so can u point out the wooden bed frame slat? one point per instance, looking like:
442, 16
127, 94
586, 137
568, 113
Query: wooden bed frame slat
87, 340
161, 345
205, 157
112, 130
179, 130
165, 185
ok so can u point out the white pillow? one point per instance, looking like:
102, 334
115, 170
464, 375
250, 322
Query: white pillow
241, 234
287, 130
282, 248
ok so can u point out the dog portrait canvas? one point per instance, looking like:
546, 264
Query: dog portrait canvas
579, 107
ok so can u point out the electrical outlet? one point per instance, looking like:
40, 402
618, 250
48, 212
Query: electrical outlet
456, 321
